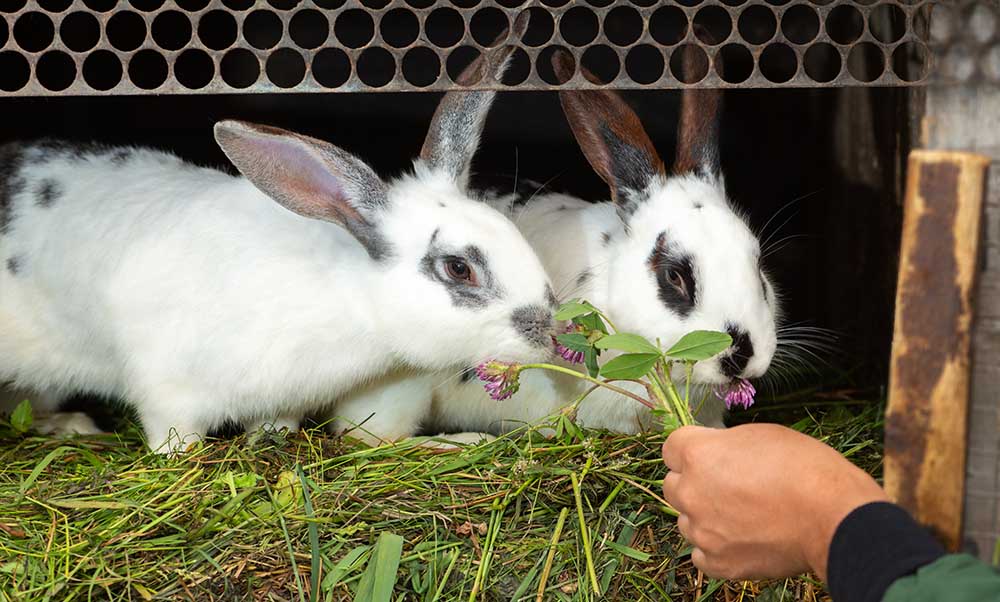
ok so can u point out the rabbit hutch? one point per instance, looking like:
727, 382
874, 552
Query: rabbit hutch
855, 134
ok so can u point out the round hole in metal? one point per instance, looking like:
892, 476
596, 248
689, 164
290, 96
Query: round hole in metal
34, 31
909, 61
376, 67
866, 62
194, 68
262, 29
458, 59
147, 69
354, 28
102, 70
79, 31
171, 30
14, 71
689, 64
887, 23
579, 26
399, 27
668, 25
217, 30
602, 62
844, 24
623, 25
822, 62
285, 68
519, 69
421, 66
146, 6
126, 30
544, 68
778, 63
800, 24
712, 25
444, 27
331, 68
239, 68
757, 24
309, 29
541, 26
55, 70
644, 64
487, 24
55, 6
734, 63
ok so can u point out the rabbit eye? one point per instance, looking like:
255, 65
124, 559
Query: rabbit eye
459, 270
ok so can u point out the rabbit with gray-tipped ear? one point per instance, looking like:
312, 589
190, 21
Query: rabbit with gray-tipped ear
199, 297
665, 256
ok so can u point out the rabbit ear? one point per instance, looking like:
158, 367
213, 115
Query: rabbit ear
698, 129
310, 177
611, 137
459, 119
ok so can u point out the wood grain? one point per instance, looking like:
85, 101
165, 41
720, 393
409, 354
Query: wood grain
926, 422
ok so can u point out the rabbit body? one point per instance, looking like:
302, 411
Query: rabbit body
195, 296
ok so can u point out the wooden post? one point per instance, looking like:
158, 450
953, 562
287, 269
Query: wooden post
926, 422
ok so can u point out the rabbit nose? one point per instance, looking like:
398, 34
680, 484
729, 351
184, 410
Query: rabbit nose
742, 351
535, 324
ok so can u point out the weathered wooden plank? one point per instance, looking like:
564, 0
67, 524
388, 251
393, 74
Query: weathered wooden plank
926, 422
968, 118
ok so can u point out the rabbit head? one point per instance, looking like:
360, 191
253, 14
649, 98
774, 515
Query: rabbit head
683, 259
451, 280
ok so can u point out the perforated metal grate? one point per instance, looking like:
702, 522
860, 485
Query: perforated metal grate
108, 47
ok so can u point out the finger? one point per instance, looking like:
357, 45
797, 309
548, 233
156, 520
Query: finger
716, 569
684, 526
671, 486
674, 448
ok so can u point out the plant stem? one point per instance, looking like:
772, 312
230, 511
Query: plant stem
585, 534
588, 378
682, 411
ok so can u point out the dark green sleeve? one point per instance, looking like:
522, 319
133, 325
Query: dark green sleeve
952, 578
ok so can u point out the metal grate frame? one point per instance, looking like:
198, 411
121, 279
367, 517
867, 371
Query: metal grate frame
109, 47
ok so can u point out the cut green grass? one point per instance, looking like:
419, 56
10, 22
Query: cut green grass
315, 517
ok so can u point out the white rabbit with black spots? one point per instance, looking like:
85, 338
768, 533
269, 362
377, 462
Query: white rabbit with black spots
666, 256
199, 297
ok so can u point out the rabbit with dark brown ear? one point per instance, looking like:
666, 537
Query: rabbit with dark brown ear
198, 297
666, 256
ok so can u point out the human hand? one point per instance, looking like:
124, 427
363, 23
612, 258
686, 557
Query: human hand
760, 500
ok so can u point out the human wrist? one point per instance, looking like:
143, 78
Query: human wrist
842, 497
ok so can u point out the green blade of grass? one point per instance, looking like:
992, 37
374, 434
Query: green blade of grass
380, 575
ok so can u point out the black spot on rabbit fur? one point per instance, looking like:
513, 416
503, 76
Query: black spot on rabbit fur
668, 263
14, 265
605, 238
47, 192
468, 374
11, 182
583, 278
121, 156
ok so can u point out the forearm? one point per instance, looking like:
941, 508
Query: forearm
875, 546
